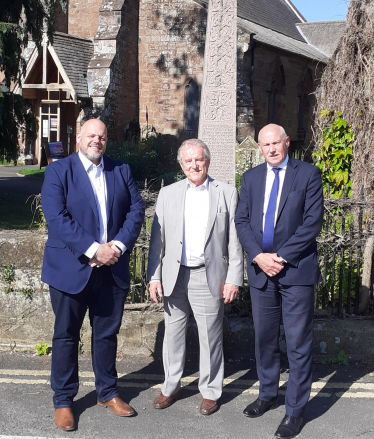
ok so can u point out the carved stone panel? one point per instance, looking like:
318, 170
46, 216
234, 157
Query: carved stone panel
217, 124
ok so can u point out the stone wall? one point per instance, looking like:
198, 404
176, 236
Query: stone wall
27, 321
287, 101
83, 17
171, 50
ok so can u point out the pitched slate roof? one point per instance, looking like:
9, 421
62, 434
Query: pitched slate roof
325, 35
74, 54
277, 15
284, 42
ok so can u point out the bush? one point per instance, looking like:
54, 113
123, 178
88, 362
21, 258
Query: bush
152, 158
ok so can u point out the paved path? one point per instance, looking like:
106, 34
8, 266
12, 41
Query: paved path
341, 405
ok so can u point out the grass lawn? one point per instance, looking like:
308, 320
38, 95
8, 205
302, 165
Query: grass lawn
16, 212
34, 173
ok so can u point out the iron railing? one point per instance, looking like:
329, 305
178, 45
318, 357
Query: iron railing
340, 250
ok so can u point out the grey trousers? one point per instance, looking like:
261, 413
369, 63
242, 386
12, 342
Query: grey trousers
192, 292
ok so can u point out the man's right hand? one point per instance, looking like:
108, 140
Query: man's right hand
155, 289
106, 255
270, 263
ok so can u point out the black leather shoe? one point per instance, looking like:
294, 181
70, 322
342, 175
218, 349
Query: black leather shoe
289, 427
259, 407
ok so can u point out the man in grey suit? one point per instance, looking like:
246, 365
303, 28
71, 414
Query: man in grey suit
195, 262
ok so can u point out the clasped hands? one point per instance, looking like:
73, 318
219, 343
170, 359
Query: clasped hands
107, 254
270, 263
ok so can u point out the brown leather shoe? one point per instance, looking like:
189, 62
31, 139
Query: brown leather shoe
162, 401
208, 406
64, 419
118, 407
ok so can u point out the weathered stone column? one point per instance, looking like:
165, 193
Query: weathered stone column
217, 124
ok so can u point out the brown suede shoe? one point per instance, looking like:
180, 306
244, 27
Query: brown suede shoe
162, 401
118, 407
208, 406
64, 419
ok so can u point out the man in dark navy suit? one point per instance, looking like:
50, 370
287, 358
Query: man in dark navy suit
278, 219
94, 214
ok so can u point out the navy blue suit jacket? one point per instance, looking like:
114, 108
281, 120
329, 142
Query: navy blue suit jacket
299, 222
70, 210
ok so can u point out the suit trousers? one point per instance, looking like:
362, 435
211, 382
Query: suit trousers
191, 291
105, 302
296, 305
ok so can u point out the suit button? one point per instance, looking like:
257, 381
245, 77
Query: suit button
179, 262
181, 242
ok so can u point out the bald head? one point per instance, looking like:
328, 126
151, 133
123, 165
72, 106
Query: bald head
272, 126
92, 140
273, 143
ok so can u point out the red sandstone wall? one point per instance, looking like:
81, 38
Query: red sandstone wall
171, 50
83, 17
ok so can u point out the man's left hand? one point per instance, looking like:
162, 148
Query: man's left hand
230, 292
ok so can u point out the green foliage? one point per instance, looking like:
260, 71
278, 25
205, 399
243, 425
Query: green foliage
340, 360
35, 173
28, 292
336, 155
14, 31
8, 275
14, 115
42, 349
152, 158
14, 35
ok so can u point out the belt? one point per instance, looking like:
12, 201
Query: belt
195, 267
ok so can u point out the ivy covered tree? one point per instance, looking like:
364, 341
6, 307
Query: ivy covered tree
335, 158
19, 20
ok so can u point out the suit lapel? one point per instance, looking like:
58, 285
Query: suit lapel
213, 206
109, 177
258, 188
291, 172
84, 181
180, 203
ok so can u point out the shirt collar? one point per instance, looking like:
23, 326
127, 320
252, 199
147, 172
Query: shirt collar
87, 163
204, 186
281, 166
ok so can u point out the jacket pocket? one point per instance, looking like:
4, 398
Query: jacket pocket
55, 243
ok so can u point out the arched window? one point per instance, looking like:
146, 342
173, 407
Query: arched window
277, 87
191, 110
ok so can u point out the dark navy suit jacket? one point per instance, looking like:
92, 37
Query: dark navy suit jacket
299, 222
70, 210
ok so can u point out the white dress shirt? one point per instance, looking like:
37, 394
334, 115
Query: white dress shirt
96, 175
270, 177
196, 212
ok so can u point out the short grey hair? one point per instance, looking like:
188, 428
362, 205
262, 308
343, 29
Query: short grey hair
283, 131
193, 142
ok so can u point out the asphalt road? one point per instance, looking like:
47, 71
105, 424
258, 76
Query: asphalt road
341, 406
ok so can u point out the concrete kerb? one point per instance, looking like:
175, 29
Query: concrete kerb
27, 321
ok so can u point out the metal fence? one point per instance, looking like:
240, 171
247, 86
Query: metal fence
341, 245
346, 229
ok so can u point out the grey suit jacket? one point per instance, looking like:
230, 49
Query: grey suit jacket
223, 252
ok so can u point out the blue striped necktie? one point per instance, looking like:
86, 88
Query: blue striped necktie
268, 235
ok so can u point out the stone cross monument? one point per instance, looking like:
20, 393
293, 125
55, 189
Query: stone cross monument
217, 124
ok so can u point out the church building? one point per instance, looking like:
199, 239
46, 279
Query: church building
138, 66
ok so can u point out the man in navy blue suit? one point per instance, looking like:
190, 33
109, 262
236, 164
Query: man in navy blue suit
94, 214
278, 219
